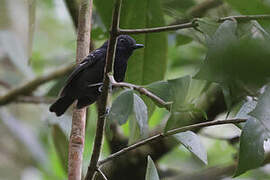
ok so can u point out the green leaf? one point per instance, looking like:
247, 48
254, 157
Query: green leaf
179, 89
237, 64
134, 130
250, 7
122, 107
182, 39
251, 153
192, 142
184, 95
262, 110
105, 12
207, 26
245, 110
161, 89
151, 171
140, 111
60, 141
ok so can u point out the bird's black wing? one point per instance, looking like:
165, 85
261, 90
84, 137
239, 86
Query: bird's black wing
90, 60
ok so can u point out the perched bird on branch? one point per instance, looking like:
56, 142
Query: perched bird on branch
85, 82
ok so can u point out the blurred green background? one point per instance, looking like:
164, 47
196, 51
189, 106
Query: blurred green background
38, 37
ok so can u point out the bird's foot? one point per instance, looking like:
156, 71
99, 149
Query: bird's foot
107, 111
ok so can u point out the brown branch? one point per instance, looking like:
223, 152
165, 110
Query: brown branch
158, 29
30, 86
5, 84
104, 95
141, 90
192, 24
76, 143
168, 133
244, 18
102, 174
35, 99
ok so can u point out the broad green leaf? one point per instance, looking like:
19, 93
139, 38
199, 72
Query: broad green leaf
179, 89
60, 141
134, 130
246, 109
105, 12
251, 153
250, 7
262, 110
141, 115
236, 64
207, 26
151, 170
184, 95
192, 142
161, 89
121, 108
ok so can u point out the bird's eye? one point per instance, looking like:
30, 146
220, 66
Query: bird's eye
122, 40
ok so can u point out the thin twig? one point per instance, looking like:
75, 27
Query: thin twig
191, 24
141, 90
243, 18
104, 95
5, 84
168, 133
35, 99
76, 143
102, 174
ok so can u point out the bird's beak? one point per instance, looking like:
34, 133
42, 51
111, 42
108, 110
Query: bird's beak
137, 46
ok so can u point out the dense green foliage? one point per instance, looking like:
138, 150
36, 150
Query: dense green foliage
188, 68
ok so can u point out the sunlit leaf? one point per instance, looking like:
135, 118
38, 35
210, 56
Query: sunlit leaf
251, 153
246, 108
192, 142
151, 170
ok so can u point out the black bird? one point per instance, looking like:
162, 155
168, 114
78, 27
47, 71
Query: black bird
85, 82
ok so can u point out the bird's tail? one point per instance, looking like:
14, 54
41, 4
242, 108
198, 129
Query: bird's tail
61, 105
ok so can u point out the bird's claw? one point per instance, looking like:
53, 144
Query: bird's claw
107, 111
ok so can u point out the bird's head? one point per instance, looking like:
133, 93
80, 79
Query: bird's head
125, 42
